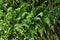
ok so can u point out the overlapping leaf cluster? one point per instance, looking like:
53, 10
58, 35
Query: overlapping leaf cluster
26, 20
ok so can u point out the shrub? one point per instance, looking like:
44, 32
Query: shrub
29, 20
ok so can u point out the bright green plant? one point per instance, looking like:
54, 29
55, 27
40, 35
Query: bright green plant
29, 20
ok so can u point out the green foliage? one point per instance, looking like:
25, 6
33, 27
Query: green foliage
29, 20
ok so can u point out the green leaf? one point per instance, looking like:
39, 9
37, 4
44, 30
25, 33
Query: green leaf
41, 14
31, 39
9, 9
9, 16
1, 13
1, 1
46, 20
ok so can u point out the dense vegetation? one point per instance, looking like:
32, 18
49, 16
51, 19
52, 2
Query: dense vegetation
29, 19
